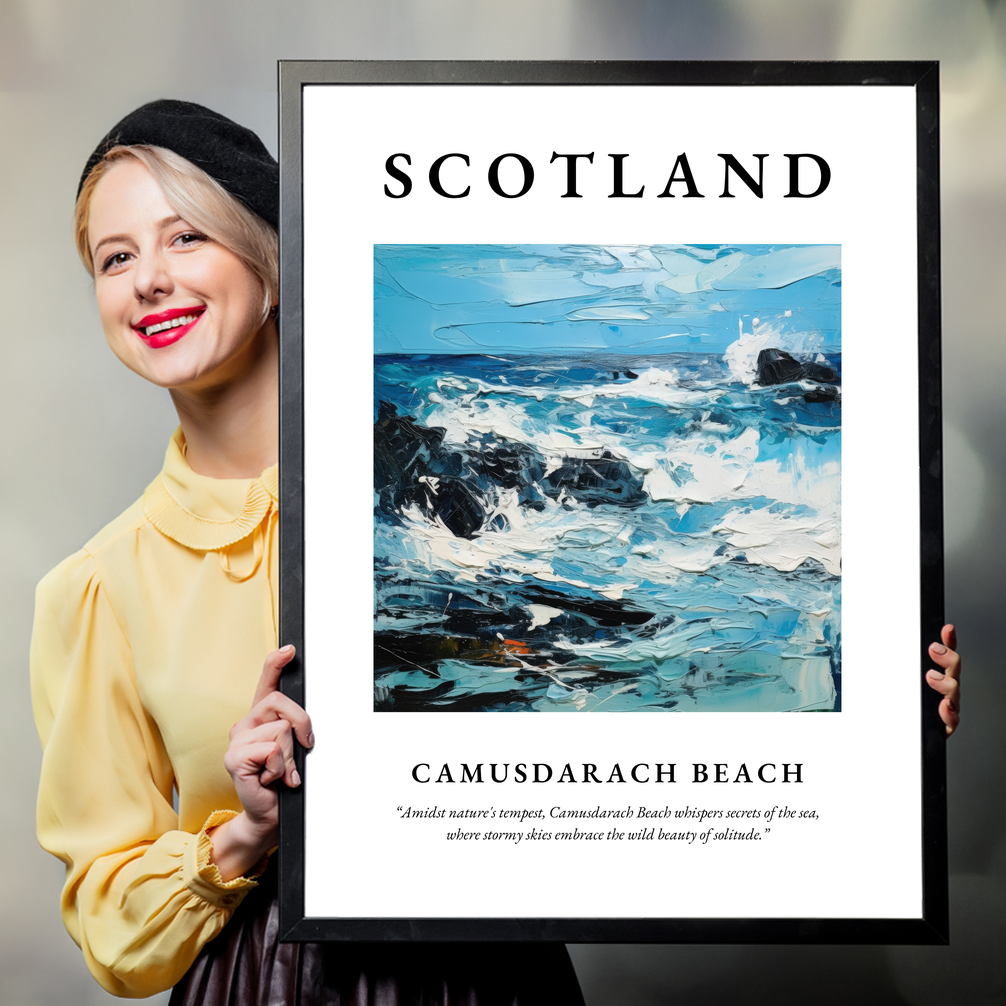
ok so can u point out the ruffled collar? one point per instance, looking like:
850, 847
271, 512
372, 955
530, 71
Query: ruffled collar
203, 513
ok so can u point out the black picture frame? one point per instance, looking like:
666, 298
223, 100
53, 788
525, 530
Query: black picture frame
932, 925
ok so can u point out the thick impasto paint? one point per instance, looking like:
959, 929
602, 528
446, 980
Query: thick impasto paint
607, 478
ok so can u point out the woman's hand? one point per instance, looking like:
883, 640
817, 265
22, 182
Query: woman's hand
260, 753
948, 681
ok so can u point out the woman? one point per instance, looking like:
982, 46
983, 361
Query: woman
148, 643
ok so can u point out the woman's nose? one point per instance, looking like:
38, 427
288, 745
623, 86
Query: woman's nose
152, 277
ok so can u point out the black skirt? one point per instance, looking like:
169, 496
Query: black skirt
246, 965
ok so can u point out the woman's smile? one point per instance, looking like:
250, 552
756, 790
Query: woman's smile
166, 327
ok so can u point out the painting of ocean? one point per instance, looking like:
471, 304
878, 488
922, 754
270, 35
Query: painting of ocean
607, 478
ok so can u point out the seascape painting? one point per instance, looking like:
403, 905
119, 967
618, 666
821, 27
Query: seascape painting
607, 478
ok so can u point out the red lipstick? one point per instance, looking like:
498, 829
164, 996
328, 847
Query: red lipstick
166, 327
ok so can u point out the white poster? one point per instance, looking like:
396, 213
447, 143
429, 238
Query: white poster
610, 392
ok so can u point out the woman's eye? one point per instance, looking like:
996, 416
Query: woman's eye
114, 261
189, 238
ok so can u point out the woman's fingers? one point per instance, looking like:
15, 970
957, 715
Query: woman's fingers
944, 684
949, 688
270, 703
949, 636
951, 717
949, 709
261, 749
947, 658
260, 761
278, 735
271, 671
277, 706
274, 766
947, 680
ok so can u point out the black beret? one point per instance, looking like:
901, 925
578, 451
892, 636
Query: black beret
231, 154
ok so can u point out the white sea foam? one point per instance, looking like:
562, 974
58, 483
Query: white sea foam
741, 356
704, 469
470, 415
524, 547
784, 541
566, 535
652, 385
541, 614
681, 468
698, 468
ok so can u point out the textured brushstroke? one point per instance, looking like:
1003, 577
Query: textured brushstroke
650, 523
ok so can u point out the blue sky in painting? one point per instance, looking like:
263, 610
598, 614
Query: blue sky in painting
628, 299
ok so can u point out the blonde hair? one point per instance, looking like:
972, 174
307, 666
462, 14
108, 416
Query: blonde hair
199, 200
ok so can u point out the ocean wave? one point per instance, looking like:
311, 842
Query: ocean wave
700, 466
668, 536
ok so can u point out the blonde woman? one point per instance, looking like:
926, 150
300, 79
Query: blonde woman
165, 735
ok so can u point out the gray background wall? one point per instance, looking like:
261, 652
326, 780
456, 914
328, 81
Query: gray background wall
81, 436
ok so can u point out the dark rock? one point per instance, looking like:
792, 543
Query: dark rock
605, 479
406, 453
459, 484
820, 373
599, 611
457, 507
825, 394
413, 467
776, 366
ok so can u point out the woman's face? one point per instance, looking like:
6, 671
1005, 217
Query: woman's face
177, 308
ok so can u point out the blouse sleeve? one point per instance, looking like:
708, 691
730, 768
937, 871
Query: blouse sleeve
141, 898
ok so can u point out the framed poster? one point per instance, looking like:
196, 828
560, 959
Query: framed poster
611, 501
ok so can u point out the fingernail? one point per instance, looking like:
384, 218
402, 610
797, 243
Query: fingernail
936, 675
287, 649
310, 740
295, 777
938, 648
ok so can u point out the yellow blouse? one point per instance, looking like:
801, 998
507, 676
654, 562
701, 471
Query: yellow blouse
147, 647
